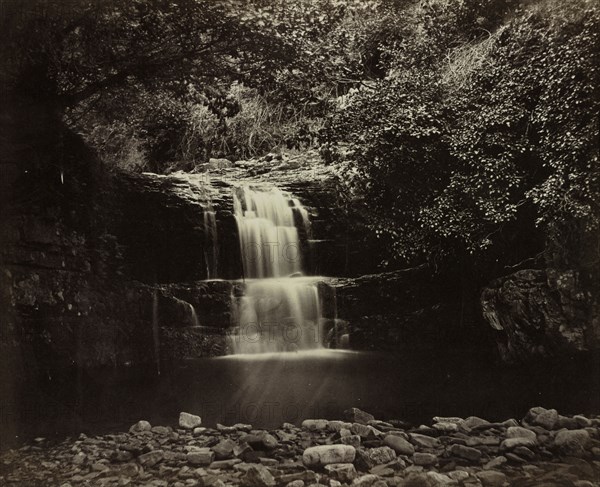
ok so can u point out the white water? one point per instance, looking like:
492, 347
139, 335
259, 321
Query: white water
269, 239
277, 313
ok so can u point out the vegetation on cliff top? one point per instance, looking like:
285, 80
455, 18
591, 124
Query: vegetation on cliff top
469, 128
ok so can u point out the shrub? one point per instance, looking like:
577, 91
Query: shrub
475, 136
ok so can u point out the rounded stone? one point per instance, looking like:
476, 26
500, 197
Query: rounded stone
315, 424
326, 454
491, 478
424, 459
519, 432
572, 441
140, 426
399, 445
342, 472
189, 421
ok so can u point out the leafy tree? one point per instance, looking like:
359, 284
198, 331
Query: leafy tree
475, 136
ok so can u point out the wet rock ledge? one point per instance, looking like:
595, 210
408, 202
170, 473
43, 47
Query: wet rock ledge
544, 448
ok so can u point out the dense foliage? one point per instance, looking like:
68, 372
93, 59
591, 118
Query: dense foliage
483, 130
139, 73
463, 129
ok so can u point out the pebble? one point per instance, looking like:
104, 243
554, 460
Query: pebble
368, 480
424, 459
511, 443
465, 452
495, 463
224, 464
342, 472
439, 479
79, 458
370, 457
151, 458
399, 445
327, 454
258, 476
260, 439
352, 440
524, 452
446, 427
458, 475
189, 421
323, 453
572, 441
140, 426
582, 421
315, 424
224, 449
365, 431
356, 415
423, 441
338, 425
520, 432
201, 457
492, 478
473, 422
545, 418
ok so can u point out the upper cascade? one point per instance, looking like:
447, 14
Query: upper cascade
268, 222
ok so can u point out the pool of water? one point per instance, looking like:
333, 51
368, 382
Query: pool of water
266, 390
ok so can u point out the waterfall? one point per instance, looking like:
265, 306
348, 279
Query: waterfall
278, 315
269, 239
280, 309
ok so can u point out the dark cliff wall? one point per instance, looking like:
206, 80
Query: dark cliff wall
412, 311
542, 313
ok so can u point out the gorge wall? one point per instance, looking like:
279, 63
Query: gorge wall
109, 269
542, 313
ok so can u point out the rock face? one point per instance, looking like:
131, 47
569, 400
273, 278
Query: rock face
406, 311
541, 313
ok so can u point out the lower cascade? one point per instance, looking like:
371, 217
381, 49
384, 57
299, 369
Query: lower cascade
278, 315
279, 308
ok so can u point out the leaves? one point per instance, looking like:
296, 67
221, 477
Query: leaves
473, 128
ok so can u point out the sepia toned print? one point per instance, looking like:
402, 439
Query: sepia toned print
299, 243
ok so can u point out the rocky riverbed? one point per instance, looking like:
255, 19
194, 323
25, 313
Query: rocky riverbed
544, 448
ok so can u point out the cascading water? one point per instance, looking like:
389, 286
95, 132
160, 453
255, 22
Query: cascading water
269, 238
280, 309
